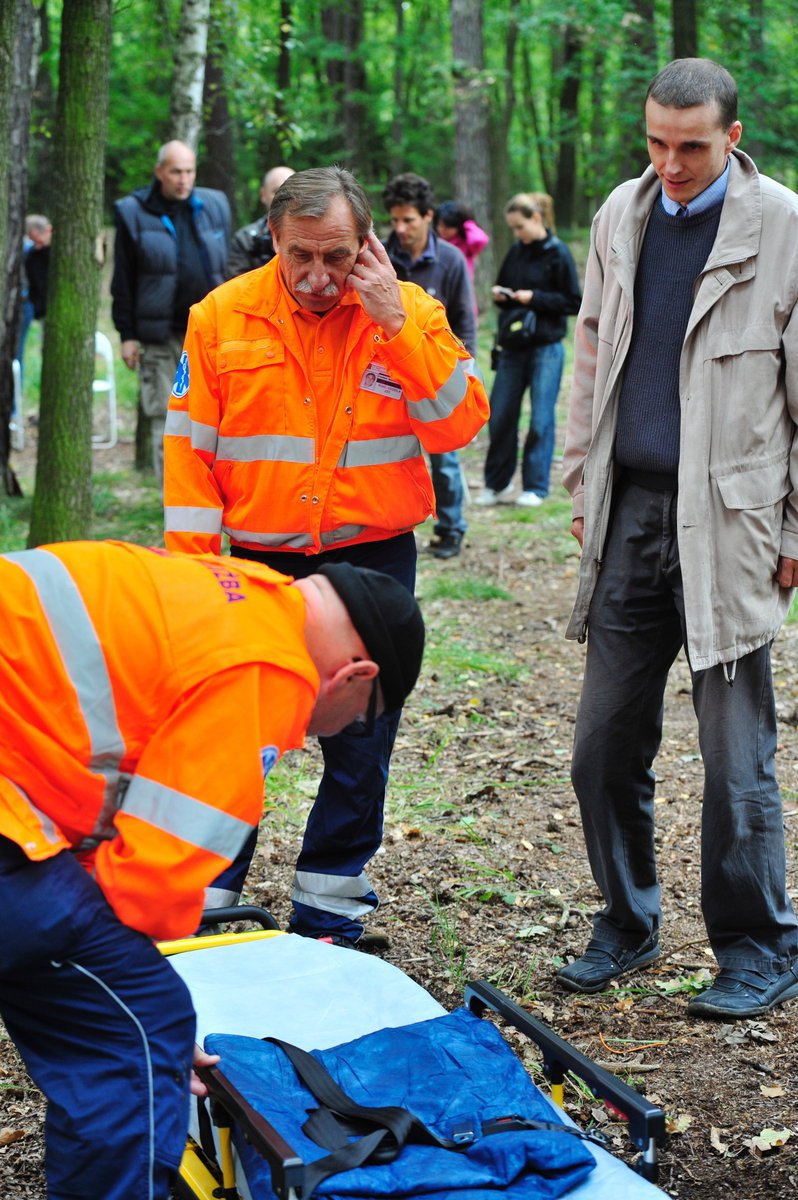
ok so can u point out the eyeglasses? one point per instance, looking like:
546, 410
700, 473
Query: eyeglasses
365, 728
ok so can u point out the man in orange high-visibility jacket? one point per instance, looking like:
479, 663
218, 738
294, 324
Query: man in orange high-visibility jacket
143, 698
306, 394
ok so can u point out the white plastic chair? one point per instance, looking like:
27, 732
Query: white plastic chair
16, 426
105, 385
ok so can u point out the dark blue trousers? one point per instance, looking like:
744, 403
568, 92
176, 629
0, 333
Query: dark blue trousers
105, 1027
636, 627
332, 892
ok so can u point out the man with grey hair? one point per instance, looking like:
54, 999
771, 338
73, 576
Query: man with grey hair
306, 394
682, 460
252, 245
171, 248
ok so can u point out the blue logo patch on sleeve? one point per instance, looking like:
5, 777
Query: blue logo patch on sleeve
180, 385
268, 757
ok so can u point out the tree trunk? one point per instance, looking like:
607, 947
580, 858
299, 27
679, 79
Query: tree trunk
396, 157
17, 37
565, 189
218, 169
8, 32
342, 24
62, 499
501, 120
187, 85
640, 64
472, 128
684, 20
756, 101
40, 150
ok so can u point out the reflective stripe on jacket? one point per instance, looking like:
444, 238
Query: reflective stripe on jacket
141, 695
254, 449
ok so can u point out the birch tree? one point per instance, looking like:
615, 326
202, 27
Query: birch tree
189, 76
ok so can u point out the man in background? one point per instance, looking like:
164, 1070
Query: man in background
252, 245
172, 242
419, 255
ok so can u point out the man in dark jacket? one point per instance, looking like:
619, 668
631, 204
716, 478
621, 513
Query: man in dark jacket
172, 242
252, 244
419, 255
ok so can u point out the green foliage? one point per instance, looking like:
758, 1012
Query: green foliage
400, 88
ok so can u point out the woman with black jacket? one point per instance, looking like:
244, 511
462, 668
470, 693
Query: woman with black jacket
537, 290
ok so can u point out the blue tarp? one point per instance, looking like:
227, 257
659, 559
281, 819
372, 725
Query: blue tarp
449, 1070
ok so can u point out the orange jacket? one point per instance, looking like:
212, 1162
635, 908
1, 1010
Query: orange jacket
142, 699
283, 454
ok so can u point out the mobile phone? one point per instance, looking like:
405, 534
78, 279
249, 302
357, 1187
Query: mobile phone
505, 291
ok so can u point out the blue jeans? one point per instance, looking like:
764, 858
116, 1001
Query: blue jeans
447, 481
105, 1026
344, 828
540, 370
636, 627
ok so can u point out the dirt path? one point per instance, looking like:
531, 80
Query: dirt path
483, 872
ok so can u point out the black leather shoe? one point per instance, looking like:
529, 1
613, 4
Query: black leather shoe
740, 993
596, 969
447, 545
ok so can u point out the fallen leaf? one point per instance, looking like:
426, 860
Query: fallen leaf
716, 1143
759, 1032
768, 1140
678, 1123
7, 1136
771, 1090
532, 931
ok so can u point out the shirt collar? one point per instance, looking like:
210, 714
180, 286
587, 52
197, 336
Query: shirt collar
710, 196
426, 255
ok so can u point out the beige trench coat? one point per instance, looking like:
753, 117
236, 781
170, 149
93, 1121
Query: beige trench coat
738, 468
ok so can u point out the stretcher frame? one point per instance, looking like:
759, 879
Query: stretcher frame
208, 1176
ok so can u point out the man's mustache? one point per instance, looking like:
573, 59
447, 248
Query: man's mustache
306, 288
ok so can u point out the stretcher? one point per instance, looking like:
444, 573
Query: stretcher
268, 985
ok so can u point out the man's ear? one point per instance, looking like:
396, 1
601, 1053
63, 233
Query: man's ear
349, 672
734, 134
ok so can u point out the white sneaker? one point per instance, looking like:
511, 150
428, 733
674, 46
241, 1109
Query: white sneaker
488, 496
529, 500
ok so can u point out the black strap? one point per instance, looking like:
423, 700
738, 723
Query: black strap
391, 1127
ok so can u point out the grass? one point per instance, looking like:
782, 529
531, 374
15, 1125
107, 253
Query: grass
447, 945
459, 662
462, 587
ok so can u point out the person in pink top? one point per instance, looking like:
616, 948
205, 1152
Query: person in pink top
455, 223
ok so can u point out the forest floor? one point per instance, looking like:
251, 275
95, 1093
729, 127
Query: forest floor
483, 872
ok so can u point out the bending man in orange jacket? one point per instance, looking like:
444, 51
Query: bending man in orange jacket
143, 698
306, 394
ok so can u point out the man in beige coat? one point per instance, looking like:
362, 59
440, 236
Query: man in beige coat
682, 462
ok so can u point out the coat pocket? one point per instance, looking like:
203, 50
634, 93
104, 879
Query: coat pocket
250, 355
756, 486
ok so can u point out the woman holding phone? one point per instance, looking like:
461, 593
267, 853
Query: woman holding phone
536, 291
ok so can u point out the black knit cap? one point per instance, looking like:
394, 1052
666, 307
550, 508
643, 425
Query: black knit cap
389, 621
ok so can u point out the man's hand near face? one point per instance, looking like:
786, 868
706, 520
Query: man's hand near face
374, 280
